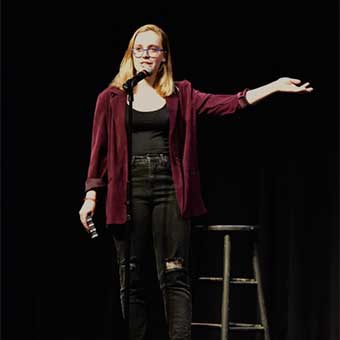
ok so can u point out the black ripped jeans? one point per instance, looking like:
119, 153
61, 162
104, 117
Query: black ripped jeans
156, 215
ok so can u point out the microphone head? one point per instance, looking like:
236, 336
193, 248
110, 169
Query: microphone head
130, 83
147, 70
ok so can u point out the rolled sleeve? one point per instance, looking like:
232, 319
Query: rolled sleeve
94, 183
242, 98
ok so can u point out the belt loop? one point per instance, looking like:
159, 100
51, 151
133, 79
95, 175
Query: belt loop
148, 158
165, 159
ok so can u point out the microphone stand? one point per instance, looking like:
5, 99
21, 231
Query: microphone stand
128, 87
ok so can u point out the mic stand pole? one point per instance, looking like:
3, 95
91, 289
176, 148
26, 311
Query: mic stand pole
128, 87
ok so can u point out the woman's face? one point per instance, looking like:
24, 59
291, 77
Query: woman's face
147, 52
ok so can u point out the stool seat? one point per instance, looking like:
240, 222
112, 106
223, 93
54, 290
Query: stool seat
222, 227
226, 280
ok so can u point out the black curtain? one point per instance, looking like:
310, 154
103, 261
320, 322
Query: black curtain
274, 164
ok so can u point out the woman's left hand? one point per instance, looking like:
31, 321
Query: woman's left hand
286, 84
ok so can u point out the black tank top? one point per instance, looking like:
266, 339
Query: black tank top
150, 131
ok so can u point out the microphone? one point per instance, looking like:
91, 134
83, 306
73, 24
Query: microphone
132, 82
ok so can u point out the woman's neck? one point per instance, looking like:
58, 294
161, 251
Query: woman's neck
146, 98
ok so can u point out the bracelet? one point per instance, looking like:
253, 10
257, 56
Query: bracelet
89, 198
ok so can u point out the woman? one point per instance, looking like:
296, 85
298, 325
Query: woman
166, 189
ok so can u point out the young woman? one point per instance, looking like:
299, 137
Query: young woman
166, 189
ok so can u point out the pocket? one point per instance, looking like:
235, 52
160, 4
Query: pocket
138, 163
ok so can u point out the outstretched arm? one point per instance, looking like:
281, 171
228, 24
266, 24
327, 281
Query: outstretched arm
284, 84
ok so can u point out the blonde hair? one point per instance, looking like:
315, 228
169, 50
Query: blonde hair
164, 83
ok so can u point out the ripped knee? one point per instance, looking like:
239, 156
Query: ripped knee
134, 272
132, 263
174, 264
176, 274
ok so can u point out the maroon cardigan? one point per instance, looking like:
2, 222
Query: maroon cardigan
108, 166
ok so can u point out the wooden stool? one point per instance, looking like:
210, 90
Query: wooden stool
225, 325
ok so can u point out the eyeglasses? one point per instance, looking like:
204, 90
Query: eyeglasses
153, 52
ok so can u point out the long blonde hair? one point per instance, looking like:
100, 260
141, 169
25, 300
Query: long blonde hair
164, 83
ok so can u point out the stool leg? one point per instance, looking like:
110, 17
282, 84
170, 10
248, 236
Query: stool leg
263, 314
225, 292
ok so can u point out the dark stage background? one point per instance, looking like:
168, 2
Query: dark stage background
274, 164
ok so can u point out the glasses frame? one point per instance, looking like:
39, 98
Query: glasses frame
158, 49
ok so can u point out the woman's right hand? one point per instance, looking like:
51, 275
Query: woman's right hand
87, 208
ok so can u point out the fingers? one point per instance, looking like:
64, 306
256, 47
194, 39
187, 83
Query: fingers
305, 87
295, 81
83, 220
83, 214
87, 208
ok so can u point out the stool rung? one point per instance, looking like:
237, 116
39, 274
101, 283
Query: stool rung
241, 280
236, 280
217, 279
234, 326
206, 324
